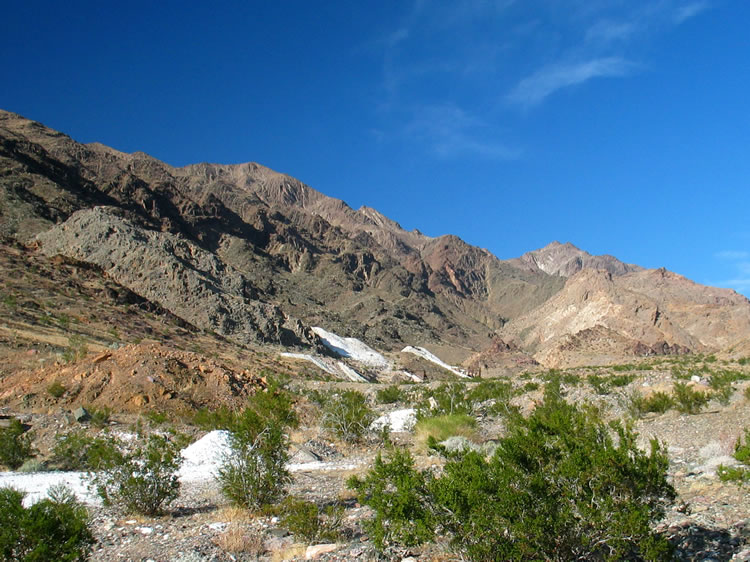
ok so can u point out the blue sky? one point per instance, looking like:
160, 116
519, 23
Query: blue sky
620, 126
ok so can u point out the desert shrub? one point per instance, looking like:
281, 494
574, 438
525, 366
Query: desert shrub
55, 528
56, 389
562, 485
398, 495
599, 384
254, 473
621, 380
156, 418
744, 361
446, 399
208, 420
721, 384
658, 402
78, 451
442, 427
15, 445
99, 417
637, 405
348, 416
688, 400
76, 349
390, 395
531, 386
306, 520
141, 480
739, 474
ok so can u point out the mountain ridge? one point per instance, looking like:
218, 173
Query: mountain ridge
316, 261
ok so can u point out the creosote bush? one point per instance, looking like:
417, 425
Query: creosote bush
55, 528
307, 521
15, 445
254, 474
390, 395
348, 416
562, 485
689, 400
141, 480
78, 451
739, 474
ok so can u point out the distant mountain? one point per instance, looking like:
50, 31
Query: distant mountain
566, 260
259, 257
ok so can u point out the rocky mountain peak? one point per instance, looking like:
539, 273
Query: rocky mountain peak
566, 259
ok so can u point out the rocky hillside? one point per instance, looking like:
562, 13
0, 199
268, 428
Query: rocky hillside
258, 257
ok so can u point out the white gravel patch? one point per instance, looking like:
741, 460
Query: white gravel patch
353, 349
399, 420
424, 354
200, 463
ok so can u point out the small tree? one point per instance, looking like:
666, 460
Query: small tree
142, 480
15, 445
55, 528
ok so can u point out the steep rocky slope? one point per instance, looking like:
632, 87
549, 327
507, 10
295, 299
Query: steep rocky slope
259, 257
312, 256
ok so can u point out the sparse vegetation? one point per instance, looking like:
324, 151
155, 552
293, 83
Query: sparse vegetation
76, 349
56, 389
689, 400
55, 528
562, 485
308, 521
78, 451
15, 444
99, 417
390, 395
255, 473
142, 480
348, 416
739, 474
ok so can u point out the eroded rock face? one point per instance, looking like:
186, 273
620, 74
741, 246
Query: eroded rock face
180, 276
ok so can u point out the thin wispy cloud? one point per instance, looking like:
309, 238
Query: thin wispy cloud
533, 89
691, 10
733, 255
739, 263
609, 31
449, 131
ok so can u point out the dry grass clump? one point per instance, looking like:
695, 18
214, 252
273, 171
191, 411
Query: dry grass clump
240, 538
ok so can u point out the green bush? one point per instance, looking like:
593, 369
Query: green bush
254, 474
348, 416
55, 528
398, 495
99, 417
562, 485
15, 445
739, 474
306, 520
688, 400
56, 389
638, 405
208, 420
390, 395
142, 480
78, 451
446, 399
